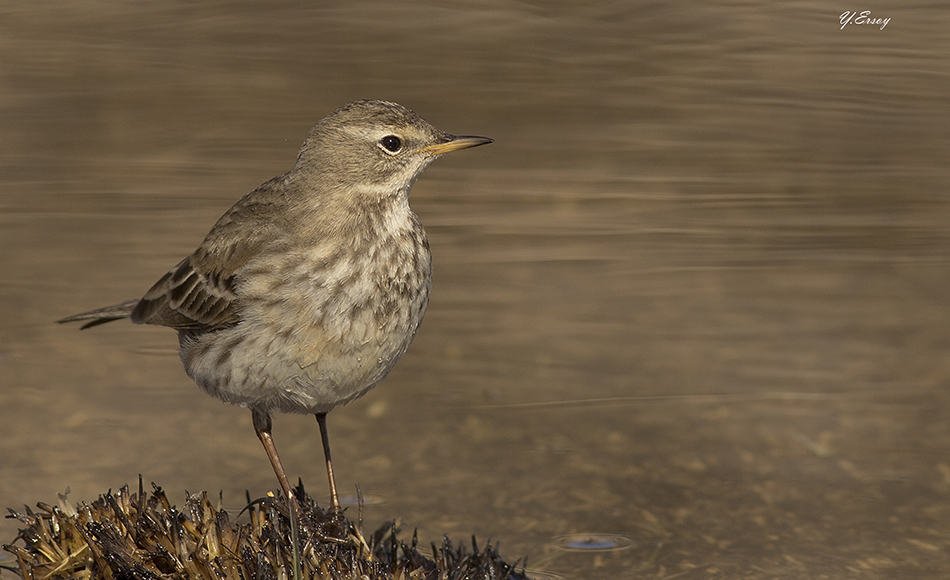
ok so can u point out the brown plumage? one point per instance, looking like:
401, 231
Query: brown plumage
308, 290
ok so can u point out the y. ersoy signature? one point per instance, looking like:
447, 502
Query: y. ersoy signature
849, 17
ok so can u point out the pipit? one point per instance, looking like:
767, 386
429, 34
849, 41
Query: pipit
308, 290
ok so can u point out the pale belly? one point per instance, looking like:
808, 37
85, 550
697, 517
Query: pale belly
308, 344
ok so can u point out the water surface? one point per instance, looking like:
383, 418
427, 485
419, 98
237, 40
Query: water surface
695, 295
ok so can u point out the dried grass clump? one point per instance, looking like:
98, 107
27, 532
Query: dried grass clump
125, 536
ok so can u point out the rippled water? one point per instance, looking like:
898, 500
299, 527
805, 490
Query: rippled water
695, 295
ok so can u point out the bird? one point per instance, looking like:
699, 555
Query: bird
306, 292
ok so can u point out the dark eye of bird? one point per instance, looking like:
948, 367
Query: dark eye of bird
391, 143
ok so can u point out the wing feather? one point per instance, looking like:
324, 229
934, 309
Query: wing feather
186, 299
200, 293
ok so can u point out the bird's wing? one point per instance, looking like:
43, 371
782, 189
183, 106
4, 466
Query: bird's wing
200, 292
189, 299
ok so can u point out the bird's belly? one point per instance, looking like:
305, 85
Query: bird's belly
296, 353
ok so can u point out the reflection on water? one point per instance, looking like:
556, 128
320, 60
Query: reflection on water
593, 542
695, 295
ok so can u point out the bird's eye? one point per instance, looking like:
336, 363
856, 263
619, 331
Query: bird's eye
391, 143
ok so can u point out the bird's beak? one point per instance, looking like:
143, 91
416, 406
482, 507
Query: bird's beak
456, 142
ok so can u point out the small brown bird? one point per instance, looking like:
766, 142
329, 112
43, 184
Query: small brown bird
308, 290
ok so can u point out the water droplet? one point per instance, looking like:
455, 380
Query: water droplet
379, 361
593, 542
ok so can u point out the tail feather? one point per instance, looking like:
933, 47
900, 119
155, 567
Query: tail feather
102, 315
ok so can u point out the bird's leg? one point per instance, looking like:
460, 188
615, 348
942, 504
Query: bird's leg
262, 426
322, 420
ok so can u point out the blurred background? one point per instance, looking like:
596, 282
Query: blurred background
692, 303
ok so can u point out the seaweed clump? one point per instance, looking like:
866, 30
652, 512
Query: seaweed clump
131, 536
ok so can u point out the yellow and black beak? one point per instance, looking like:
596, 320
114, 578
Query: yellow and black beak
454, 143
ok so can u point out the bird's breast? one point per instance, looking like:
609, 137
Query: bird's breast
329, 322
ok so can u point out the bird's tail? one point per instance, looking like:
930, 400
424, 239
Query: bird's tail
103, 315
